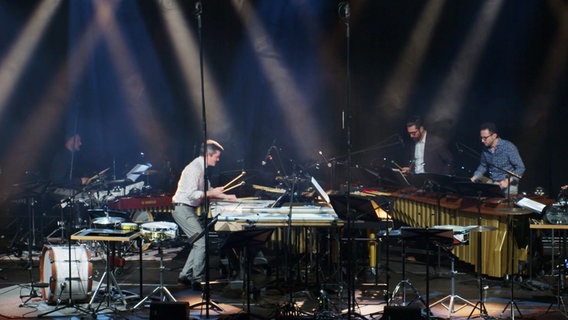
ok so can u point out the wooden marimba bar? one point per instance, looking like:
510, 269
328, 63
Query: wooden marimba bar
427, 211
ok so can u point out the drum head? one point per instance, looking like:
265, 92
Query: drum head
107, 222
99, 213
159, 230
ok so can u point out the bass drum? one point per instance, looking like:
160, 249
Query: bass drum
142, 216
54, 270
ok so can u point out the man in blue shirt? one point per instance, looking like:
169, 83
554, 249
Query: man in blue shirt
500, 159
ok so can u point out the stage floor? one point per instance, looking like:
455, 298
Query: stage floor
272, 296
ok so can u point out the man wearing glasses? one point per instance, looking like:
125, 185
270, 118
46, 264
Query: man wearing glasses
430, 154
500, 159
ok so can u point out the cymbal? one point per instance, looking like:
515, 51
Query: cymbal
475, 228
514, 211
268, 189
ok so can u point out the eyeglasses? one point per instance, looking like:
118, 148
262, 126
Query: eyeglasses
486, 137
412, 133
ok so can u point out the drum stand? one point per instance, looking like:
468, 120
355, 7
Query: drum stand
164, 292
403, 286
109, 276
512, 303
453, 296
560, 305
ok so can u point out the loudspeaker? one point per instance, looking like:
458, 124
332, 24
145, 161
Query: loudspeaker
169, 310
399, 312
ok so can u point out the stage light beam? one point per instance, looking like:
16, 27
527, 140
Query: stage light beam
394, 97
293, 105
186, 48
448, 102
15, 61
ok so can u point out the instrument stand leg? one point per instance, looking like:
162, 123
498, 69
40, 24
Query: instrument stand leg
512, 303
453, 296
164, 292
110, 284
560, 305
401, 289
31, 241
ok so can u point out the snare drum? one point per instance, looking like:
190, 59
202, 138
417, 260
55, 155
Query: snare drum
107, 222
128, 226
159, 230
54, 270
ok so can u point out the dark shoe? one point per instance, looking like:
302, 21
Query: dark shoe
184, 282
196, 285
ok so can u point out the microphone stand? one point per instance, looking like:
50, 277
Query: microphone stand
344, 14
206, 289
31, 202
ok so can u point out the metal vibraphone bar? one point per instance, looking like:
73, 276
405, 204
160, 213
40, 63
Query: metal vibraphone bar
422, 211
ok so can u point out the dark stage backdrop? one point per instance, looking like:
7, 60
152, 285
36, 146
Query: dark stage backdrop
125, 74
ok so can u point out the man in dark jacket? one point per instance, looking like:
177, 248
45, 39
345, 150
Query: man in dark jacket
430, 153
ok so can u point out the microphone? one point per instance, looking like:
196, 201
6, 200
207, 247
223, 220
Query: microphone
268, 156
346, 9
328, 163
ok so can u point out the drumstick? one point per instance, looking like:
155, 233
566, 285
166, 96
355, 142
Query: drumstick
235, 179
396, 164
97, 175
235, 186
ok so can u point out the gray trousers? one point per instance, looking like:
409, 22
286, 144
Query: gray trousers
188, 222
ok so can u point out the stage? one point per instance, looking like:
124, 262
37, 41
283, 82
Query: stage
271, 297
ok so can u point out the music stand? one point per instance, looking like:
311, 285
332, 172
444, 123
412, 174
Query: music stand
361, 208
479, 191
440, 184
246, 240
392, 177
441, 237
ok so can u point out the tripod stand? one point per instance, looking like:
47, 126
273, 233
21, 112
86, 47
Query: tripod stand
31, 202
402, 287
512, 304
560, 304
479, 191
165, 294
452, 297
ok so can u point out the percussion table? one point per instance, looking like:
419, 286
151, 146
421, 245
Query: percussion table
110, 236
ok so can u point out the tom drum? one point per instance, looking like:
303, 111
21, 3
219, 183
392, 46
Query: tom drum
159, 230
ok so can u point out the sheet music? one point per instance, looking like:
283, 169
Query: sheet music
137, 171
530, 204
320, 190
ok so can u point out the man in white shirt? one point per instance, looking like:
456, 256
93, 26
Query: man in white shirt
188, 197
